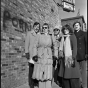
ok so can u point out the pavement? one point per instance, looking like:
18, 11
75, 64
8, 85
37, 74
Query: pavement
54, 85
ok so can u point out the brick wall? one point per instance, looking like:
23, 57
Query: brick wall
14, 66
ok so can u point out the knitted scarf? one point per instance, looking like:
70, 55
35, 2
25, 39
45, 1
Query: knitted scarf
67, 50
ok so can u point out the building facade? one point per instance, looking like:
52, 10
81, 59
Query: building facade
17, 17
71, 20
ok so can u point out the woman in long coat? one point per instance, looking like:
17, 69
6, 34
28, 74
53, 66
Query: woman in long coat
69, 68
43, 67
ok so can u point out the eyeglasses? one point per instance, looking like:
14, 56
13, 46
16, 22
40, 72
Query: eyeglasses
56, 29
44, 27
65, 29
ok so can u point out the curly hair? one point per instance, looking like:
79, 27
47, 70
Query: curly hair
67, 27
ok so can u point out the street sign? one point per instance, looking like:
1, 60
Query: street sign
68, 5
70, 1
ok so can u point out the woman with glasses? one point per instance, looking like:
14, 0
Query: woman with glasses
43, 52
56, 37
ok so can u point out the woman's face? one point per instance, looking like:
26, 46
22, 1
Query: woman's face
66, 31
45, 29
56, 31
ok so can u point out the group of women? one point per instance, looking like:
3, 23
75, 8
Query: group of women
46, 51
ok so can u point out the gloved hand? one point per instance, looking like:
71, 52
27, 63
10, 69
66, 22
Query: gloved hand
73, 64
35, 58
54, 60
86, 56
59, 60
27, 56
61, 54
68, 61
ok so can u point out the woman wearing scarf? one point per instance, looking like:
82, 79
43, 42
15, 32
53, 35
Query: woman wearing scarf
69, 69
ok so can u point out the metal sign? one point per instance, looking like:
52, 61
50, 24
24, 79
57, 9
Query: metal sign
70, 1
68, 5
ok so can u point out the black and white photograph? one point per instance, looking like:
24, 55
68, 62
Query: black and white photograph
44, 44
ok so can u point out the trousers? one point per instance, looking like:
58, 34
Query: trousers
30, 80
83, 70
71, 83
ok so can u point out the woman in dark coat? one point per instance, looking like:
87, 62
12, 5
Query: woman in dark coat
69, 68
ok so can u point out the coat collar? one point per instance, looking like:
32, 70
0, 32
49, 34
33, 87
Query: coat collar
33, 33
79, 33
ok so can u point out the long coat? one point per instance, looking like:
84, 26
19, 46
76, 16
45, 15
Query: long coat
81, 44
43, 67
29, 42
71, 72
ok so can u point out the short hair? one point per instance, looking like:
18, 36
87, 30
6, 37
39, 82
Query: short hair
36, 23
76, 22
67, 27
46, 24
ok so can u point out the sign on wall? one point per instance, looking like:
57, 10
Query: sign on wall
15, 22
68, 5
70, 1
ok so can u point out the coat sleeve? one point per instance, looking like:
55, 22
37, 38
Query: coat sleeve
55, 47
35, 50
85, 38
27, 42
61, 44
74, 46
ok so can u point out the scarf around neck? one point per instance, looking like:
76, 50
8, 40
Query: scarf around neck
67, 46
67, 49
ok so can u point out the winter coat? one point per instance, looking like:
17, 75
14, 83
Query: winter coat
81, 44
29, 42
71, 72
43, 67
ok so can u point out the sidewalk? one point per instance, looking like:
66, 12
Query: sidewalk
24, 86
27, 86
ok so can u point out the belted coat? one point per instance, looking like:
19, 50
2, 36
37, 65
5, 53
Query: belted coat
43, 67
